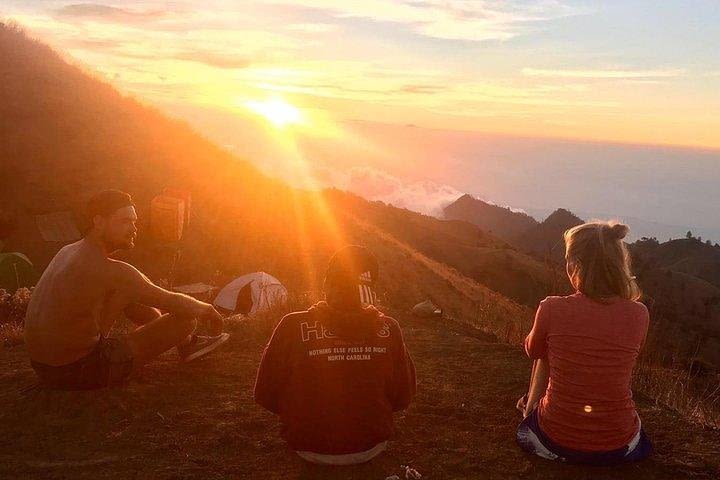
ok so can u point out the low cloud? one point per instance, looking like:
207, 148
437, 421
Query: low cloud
421, 89
213, 59
314, 27
218, 60
95, 11
426, 196
468, 21
603, 74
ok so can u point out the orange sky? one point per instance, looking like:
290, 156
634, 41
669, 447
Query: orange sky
584, 70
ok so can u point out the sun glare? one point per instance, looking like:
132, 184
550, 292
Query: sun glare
277, 111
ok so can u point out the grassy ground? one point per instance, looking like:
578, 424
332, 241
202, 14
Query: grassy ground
199, 421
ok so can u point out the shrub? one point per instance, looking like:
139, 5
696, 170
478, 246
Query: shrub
12, 314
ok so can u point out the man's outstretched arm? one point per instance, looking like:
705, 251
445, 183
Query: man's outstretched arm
136, 287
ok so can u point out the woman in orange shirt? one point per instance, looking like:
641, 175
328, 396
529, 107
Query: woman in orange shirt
579, 408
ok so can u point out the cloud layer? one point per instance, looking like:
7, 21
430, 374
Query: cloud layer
107, 13
426, 197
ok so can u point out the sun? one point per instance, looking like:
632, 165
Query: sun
276, 110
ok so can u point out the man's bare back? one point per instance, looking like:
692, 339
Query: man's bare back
77, 300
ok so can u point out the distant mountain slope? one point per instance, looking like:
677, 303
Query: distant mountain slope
546, 238
541, 240
686, 315
681, 282
500, 221
687, 255
477, 254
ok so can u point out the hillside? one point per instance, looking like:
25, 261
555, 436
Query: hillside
469, 249
500, 221
542, 240
680, 282
691, 256
546, 238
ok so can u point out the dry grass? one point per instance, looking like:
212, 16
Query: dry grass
694, 397
472, 300
679, 386
11, 334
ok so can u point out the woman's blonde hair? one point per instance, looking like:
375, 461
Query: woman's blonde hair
601, 260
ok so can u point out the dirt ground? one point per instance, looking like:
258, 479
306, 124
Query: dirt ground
199, 421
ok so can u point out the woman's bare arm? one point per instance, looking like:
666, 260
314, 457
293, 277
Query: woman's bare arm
538, 384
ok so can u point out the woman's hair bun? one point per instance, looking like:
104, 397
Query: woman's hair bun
617, 231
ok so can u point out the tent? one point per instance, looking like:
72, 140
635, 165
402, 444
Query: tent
16, 271
251, 293
426, 309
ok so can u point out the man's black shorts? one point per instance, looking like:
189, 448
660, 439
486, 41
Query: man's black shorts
109, 364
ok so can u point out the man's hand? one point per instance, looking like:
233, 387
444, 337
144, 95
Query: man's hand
205, 312
214, 319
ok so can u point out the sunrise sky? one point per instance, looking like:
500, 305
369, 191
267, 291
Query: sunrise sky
607, 108
628, 71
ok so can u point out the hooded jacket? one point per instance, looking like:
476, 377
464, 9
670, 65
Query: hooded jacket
335, 377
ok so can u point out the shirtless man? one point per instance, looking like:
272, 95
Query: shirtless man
83, 292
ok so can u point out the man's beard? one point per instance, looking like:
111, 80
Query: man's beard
125, 244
